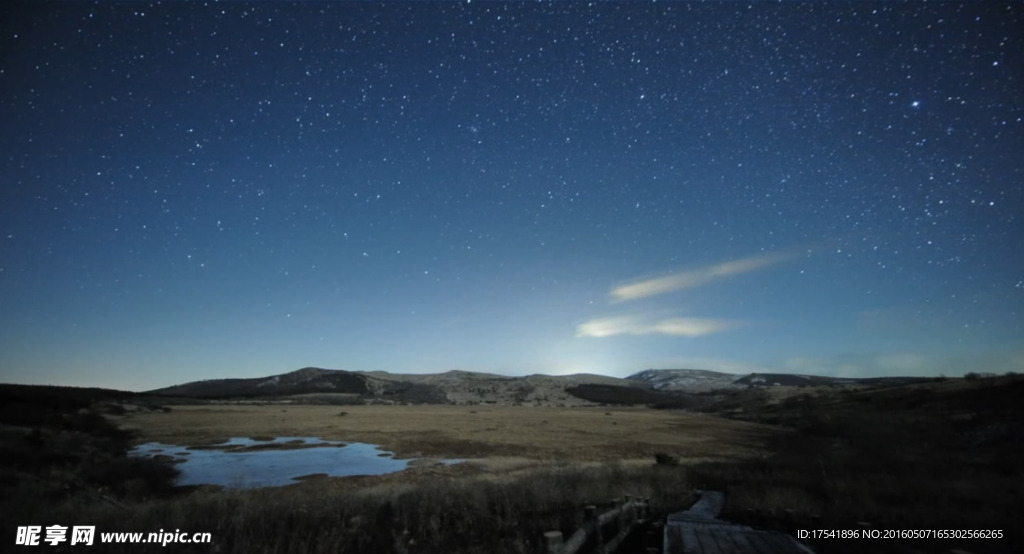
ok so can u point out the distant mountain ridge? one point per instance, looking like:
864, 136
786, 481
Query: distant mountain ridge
687, 380
305, 380
459, 387
466, 387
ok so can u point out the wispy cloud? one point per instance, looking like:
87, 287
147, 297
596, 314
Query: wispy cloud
640, 324
635, 325
694, 277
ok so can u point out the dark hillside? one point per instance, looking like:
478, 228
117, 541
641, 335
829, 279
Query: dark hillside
58, 445
793, 380
935, 455
303, 381
612, 394
52, 405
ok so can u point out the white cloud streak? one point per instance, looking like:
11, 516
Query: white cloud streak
633, 325
693, 277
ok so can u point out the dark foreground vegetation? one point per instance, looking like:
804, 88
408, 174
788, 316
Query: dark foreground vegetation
57, 446
448, 514
65, 464
624, 396
942, 455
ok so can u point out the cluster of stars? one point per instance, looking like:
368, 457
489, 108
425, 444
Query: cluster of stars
367, 148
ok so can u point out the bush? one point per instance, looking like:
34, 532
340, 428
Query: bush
664, 459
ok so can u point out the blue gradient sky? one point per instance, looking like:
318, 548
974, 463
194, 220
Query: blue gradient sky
240, 189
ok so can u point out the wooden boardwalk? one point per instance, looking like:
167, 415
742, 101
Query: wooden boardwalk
699, 531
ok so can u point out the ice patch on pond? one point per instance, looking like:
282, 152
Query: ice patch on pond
248, 463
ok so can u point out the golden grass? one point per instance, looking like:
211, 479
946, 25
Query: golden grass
536, 433
529, 470
930, 456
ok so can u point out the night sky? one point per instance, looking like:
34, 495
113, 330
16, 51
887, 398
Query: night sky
234, 189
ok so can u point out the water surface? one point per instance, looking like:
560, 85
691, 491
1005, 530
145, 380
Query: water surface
247, 463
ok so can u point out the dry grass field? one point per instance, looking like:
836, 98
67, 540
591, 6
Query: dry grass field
939, 455
471, 432
526, 470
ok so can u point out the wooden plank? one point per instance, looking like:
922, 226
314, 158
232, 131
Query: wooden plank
609, 516
709, 505
723, 541
691, 542
759, 544
737, 543
713, 540
672, 539
763, 542
775, 543
576, 541
741, 543
698, 531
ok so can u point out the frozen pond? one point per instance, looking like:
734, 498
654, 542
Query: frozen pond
248, 463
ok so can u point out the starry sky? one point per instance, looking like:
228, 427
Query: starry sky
235, 189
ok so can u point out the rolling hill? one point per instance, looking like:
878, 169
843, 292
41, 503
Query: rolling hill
665, 387
458, 387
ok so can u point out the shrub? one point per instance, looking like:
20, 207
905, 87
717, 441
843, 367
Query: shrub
664, 459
